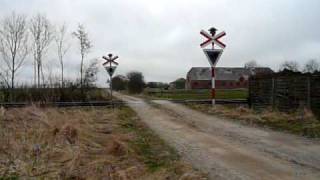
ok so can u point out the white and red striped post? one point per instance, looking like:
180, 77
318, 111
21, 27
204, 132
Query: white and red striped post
213, 90
213, 80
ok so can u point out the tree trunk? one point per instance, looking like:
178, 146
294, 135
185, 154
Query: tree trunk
12, 86
34, 73
12, 80
62, 80
81, 71
12, 74
42, 76
38, 75
81, 78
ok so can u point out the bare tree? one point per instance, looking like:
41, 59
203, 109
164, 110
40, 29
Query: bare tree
91, 73
85, 46
62, 47
13, 43
136, 82
251, 64
312, 66
290, 65
5, 79
42, 35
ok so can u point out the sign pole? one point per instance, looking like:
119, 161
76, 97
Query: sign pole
111, 87
110, 69
213, 54
213, 81
213, 90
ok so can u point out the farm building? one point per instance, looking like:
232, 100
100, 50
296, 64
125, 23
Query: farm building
226, 78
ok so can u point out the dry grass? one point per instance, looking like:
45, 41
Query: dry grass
302, 122
81, 143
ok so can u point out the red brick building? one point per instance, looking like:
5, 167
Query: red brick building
226, 78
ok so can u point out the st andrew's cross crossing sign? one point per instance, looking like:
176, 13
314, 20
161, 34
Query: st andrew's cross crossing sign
212, 39
110, 70
213, 55
110, 60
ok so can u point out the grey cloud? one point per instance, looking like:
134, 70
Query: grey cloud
161, 38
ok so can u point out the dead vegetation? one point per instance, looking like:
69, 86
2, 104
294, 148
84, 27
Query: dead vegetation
84, 143
301, 122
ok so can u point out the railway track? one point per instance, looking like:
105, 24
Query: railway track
64, 104
110, 104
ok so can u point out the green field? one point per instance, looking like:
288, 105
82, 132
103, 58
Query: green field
196, 94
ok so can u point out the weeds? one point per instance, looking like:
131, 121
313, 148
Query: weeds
85, 143
153, 151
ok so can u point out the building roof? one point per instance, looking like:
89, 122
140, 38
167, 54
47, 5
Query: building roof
225, 73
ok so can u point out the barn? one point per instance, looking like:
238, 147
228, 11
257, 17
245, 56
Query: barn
226, 77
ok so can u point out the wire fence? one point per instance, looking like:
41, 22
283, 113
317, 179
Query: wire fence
285, 91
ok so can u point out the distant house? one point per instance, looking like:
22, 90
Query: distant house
160, 85
178, 84
226, 78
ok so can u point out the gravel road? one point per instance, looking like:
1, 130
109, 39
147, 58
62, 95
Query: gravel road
228, 150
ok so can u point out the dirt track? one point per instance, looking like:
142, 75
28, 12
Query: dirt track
227, 150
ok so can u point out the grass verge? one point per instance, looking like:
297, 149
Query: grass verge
84, 143
153, 151
302, 122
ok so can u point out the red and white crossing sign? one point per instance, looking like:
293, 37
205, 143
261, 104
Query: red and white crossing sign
110, 60
212, 39
213, 55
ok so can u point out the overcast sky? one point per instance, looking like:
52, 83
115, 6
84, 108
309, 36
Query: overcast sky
161, 37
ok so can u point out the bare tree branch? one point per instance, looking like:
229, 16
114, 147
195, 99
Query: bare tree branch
42, 35
91, 72
85, 46
62, 48
14, 43
251, 64
312, 66
4, 78
290, 65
